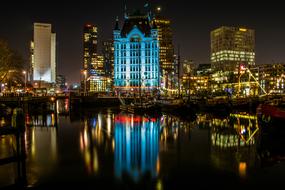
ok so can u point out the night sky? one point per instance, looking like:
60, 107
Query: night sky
192, 22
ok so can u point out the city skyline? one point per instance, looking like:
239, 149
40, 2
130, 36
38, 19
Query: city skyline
191, 27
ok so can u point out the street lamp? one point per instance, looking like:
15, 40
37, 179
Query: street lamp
25, 74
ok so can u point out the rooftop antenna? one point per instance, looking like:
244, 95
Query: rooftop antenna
148, 9
117, 24
125, 12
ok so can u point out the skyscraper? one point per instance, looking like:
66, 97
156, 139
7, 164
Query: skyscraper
43, 49
108, 54
89, 56
166, 51
89, 47
136, 54
94, 79
231, 47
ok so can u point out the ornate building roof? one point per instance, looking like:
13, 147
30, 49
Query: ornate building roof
140, 21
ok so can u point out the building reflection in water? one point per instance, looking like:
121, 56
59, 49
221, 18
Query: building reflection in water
41, 120
96, 137
62, 106
173, 131
87, 146
136, 146
233, 142
41, 146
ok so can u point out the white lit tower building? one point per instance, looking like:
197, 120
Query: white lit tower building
136, 54
43, 55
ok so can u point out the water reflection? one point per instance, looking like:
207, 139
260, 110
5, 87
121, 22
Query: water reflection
87, 146
62, 106
41, 120
233, 140
42, 147
96, 136
105, 144
136, 146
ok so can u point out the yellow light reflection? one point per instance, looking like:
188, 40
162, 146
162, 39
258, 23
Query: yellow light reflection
33, 144
52, 119
109, 124
157, 165
95, 161
159, 185
113, 145
243, 29
242, 169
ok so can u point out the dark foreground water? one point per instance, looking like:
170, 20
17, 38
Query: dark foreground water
103, 149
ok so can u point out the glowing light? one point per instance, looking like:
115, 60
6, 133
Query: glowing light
159, 185
242, 169
158, 9
109, 121
157, 166
52, 119
243, 29
33, 144
242, 67
135, 119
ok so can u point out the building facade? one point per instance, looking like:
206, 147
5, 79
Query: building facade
232, 47
97, 81
43, 50
136, 54
94, 79
60, 83
271, 78
166, 51
108, 54
89, 47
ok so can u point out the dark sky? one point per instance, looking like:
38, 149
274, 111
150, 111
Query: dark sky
192, 22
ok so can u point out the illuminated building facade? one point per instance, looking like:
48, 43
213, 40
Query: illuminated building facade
254, 81
93, 64
89, 56
43, 49
108, 54
271, 77
32, 61
136, 54
60, 83
187, 71
166, 51
97, 80
231, 47
89, 47
199, 85
195, 79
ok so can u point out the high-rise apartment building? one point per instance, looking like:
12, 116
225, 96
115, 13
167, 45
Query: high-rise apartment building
166, 51
108, 54
232, 47
89, 47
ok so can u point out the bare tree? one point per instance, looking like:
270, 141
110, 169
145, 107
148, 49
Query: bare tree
11, 65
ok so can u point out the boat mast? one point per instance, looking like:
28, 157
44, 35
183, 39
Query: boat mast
178, 71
